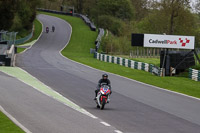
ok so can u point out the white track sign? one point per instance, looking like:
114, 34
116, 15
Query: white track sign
169, 41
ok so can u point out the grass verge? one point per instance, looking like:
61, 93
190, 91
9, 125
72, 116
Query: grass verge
83, 39
7, 126
19, 50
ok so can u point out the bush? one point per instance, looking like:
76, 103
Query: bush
111, 23
116, 45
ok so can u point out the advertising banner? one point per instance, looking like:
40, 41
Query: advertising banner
169, 41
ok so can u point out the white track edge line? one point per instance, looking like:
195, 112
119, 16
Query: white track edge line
105, 124
14, 120
117, 131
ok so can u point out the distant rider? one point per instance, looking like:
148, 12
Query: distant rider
104, 80
53, 28
47, 29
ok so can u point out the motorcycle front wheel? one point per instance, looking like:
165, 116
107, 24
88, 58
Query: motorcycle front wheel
103, 104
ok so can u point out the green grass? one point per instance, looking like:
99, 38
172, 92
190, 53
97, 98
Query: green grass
19, 50
83, 39
7, 126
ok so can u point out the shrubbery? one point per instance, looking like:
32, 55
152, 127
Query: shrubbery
111, 23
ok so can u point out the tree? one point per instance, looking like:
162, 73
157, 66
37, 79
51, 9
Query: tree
117, 8
197, 6
170, 17
140, 7
6, 14
17, 15
174, 8
78, 4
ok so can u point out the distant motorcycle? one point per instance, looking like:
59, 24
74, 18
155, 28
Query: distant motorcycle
103, 96
47, 29
53, 28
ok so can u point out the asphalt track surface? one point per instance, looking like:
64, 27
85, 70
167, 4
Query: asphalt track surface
42, 114
134, 107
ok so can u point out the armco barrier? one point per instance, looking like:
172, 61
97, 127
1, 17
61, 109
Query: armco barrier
128, 63
194, 74
99, 37
88, 22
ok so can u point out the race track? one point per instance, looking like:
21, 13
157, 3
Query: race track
134, 107
39, 113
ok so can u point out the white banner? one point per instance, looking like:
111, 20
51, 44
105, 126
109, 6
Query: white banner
169, 41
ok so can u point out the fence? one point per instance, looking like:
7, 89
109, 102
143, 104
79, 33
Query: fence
23, 40
140, 52
194, 74
129, 63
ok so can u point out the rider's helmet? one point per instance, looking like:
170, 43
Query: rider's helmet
105, 76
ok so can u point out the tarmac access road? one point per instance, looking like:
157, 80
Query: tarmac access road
134, 108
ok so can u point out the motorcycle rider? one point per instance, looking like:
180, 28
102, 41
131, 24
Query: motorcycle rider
47, 29
53, 28
103, 80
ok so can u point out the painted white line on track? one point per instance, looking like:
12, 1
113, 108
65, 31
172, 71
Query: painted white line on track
117, 131
14, 120
105, 124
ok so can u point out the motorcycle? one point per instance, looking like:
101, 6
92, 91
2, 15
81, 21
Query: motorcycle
47, 29
53, 28
103, 96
